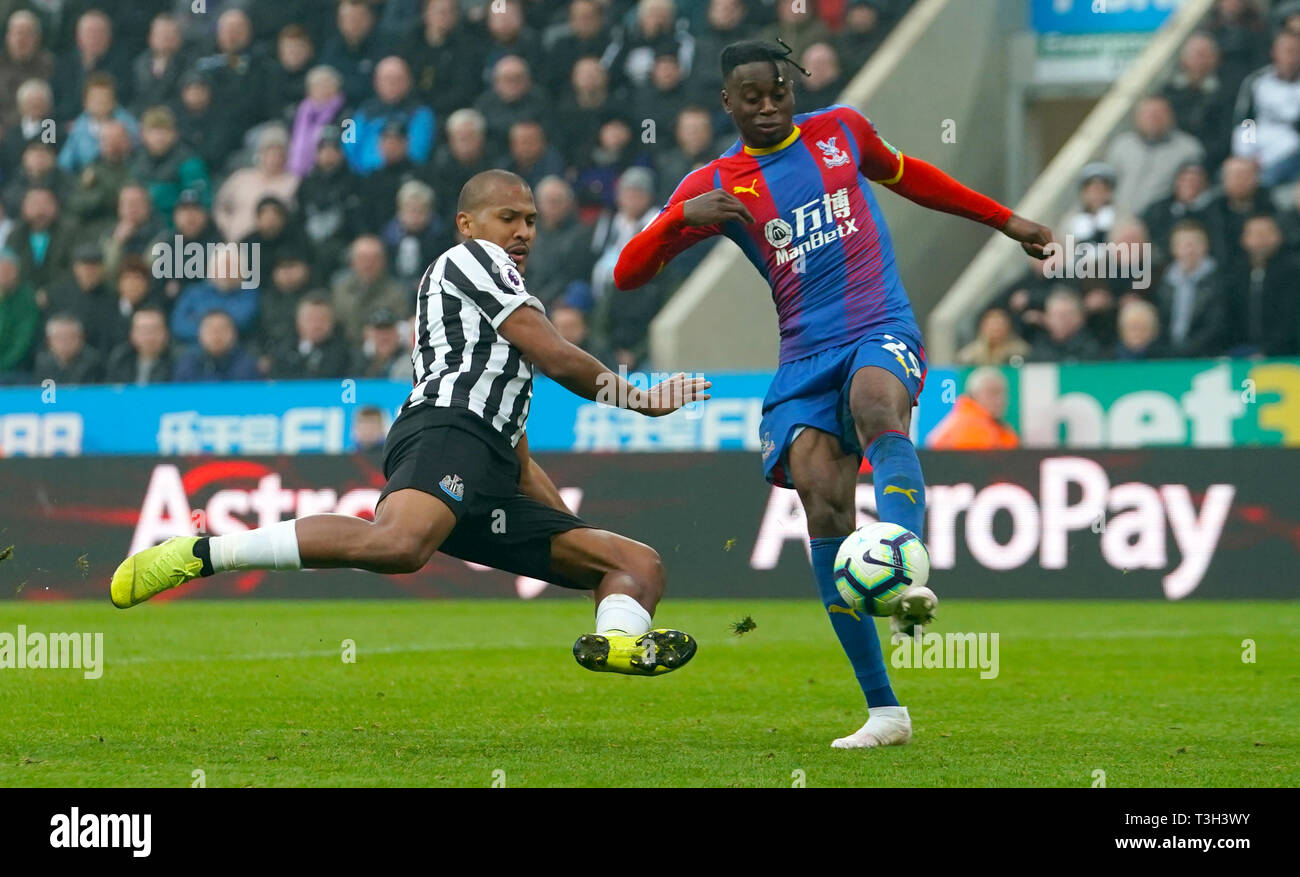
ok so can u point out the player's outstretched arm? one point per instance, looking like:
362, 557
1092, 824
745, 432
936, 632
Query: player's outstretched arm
582, 374
927, 185
682, 224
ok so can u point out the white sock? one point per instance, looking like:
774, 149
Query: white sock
619, 613
273, 547
887, 712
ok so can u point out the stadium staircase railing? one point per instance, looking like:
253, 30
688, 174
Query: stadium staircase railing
1052, 194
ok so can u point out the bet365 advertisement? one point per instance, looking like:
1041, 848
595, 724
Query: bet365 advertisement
1201, 403
1170, 524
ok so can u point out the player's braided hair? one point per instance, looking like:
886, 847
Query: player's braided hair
749, 51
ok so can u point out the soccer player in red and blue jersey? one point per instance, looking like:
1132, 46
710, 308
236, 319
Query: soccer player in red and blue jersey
793, 193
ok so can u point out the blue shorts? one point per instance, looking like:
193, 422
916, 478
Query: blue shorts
814, 392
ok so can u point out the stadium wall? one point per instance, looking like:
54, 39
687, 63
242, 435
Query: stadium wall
1141, 524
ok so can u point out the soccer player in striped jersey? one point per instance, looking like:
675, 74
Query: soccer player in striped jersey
793, 193
460, 478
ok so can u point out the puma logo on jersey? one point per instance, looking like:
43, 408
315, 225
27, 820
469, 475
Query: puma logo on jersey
908, 492
907, 369
835, 607
453, 487
752, 188
898, 348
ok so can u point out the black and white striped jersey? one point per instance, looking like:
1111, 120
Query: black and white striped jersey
460, 361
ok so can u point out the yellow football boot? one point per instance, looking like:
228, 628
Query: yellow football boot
650, 654
154, 570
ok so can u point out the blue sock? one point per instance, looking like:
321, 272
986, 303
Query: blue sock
857, 631
900, 488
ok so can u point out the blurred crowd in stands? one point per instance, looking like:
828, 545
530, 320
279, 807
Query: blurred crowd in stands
1207, 177
329, 139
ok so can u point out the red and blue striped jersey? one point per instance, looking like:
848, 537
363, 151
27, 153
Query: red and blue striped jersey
819, 238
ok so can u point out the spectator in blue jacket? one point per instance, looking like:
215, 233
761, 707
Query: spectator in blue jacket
223, 291
393, 102
218, 356
99, 106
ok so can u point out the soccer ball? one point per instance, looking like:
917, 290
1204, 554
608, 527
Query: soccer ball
876, 564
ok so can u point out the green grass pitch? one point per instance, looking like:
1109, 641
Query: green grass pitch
465, 693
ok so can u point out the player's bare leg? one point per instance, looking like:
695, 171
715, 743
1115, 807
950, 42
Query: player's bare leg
409, 526
882, 415
627, 581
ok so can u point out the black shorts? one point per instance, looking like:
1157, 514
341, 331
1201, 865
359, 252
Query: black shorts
454, 455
